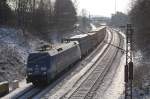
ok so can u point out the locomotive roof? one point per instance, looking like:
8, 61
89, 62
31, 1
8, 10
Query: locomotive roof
97, 29
58, 48
91, 33
79, 36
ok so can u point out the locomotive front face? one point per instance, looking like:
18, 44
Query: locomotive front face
37, 66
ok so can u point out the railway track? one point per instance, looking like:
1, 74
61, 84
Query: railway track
87, 88
36, 92
87, 60
103, 74
68, 88
28, 94
108, 81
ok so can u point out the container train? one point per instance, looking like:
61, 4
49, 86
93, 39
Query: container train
44, 66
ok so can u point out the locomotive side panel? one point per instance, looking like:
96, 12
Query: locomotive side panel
67, 58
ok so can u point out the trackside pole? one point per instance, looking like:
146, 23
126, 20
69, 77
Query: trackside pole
129, 62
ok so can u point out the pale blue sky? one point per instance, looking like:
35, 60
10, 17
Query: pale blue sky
104, 7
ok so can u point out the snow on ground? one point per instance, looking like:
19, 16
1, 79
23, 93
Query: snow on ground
13, 39
140, 94
14, 51
116, 88
93, 27
112, 86
16, 40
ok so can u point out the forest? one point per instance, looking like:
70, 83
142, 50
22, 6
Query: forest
39, 17
139, 17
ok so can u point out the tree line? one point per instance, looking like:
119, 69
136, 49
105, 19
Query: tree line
140, 16
119, 19
40, 17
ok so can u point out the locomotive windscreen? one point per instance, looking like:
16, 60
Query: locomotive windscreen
38, 59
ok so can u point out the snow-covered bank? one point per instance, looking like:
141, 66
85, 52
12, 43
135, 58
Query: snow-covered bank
14, 49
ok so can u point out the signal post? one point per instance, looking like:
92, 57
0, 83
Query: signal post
129, 62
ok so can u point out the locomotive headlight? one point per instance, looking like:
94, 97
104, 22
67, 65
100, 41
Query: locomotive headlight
44, 73
43, 68
29, 69
29, 74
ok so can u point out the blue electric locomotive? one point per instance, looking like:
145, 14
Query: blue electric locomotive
44, 66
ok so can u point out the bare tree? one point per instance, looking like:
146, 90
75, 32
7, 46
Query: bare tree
119, 19
42, 21
65, 14
85, 21
140, 15
41, 17
5, 12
